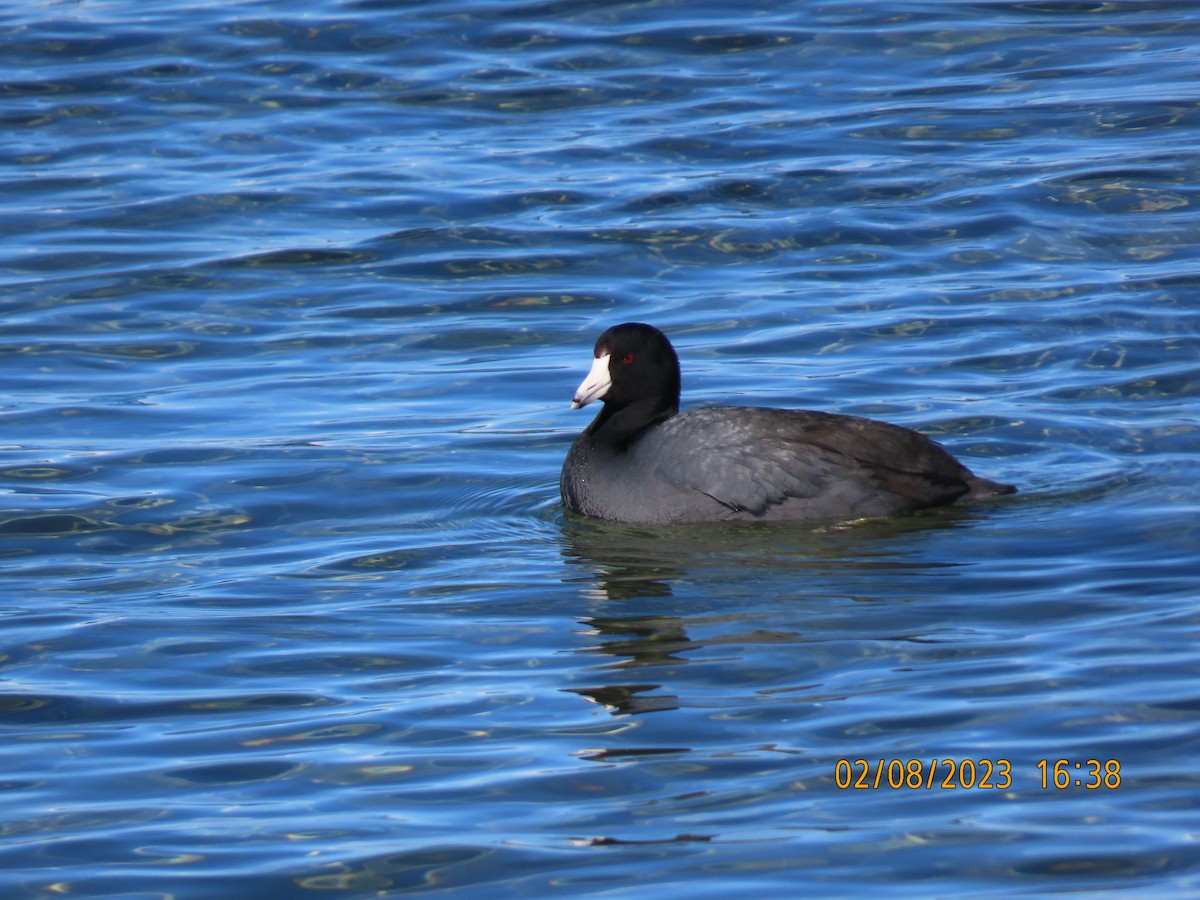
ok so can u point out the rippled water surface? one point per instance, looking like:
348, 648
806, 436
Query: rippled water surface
293, 299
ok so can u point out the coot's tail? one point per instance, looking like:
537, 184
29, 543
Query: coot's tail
982, 487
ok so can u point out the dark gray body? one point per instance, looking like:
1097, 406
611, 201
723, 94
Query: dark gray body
751, 463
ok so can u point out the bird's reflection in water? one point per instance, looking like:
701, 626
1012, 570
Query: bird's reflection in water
627, 562
624, 699
621, 564
641, 640
637, 641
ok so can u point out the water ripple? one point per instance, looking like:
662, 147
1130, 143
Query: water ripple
294, 302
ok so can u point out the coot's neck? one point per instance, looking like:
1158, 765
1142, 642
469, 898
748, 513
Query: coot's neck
617, 428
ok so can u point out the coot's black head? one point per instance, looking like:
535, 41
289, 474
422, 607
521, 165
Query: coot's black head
634, 367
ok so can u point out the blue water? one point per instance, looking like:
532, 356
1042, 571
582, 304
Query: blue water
294, 298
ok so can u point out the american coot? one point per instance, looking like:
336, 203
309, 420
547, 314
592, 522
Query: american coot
643, 461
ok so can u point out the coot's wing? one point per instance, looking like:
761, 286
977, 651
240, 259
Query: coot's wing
752, 459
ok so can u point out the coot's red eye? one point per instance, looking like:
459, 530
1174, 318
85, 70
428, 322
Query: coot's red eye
627, 358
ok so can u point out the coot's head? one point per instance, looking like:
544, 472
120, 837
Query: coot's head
634, 364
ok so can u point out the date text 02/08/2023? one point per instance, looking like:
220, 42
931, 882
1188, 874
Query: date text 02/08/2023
968, 774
